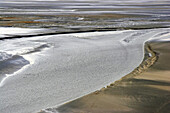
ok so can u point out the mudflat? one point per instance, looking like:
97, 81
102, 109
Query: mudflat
145, 90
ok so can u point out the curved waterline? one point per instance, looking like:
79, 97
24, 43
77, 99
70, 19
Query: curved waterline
150, 57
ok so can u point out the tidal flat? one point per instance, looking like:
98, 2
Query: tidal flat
56, 55
144, 90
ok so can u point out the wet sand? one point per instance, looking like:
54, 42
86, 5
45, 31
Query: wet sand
145, 90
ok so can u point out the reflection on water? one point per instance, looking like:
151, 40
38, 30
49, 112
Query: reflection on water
76, 15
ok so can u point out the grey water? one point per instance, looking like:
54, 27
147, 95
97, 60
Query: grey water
9, 64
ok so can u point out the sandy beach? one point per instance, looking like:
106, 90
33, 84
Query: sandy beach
145, 90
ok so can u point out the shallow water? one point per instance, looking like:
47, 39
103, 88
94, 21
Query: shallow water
68, 66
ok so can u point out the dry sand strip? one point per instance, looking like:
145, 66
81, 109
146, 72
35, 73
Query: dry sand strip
69, 66
145, 90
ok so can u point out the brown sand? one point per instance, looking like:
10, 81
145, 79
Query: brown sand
145, 90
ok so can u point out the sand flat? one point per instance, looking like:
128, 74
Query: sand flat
145, 90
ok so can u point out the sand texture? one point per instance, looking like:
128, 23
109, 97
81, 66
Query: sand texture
145, 90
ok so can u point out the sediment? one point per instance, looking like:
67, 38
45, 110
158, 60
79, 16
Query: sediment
143, 90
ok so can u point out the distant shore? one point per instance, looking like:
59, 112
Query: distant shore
145, 90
